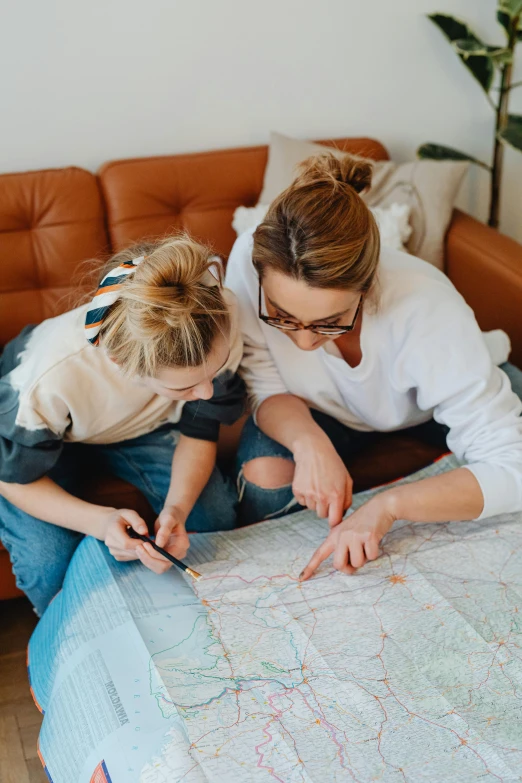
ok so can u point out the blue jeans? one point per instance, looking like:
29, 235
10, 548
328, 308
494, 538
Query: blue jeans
257, 503
40, 552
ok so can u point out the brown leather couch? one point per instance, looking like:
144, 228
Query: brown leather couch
51, 221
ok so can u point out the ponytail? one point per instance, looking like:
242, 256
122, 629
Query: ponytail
169, 310
319, 229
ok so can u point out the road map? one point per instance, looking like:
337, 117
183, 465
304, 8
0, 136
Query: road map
410, 670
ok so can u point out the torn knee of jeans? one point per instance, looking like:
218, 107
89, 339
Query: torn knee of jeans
269, 472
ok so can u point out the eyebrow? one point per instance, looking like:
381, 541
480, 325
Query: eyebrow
316, 320
186, 388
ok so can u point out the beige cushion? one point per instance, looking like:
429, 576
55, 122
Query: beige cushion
428, 187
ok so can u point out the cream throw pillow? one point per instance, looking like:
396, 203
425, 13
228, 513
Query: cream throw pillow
428, 187
393, 222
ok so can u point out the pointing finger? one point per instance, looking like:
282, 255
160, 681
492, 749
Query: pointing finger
319, 556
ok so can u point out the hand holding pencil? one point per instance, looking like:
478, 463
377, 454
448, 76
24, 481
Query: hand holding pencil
125, 534
170, 534
163, 552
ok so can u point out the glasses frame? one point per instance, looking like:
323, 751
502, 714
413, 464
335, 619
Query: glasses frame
277, 323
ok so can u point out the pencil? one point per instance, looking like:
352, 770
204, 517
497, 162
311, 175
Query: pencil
190, 571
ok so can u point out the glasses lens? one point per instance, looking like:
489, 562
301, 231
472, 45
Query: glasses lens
281, 325
326, 330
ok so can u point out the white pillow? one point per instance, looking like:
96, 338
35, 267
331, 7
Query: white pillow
393, 222
428, 187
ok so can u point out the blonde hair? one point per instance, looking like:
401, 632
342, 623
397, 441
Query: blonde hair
169, 312
319, 230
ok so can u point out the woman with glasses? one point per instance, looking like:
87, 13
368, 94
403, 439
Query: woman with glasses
344, 339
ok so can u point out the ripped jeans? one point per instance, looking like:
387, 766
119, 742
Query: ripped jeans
257, 503
40, 552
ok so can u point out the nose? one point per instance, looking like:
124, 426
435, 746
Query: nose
305, 340
203, 391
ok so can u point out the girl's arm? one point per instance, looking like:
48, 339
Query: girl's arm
47, 501
455, 496
192, 466
321, 481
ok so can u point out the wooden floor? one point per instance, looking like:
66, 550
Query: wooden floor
19, 719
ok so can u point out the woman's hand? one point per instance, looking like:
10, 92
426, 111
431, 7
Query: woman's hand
321, 481
356, 540
113, 531
170, 535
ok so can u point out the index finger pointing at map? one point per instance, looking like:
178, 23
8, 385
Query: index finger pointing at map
319, 556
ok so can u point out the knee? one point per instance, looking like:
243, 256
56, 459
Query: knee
57, 545
40, 570
269, 472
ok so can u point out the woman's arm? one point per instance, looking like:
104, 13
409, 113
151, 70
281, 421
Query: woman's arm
455, 496
321, 481
47, 501
192, 466
287, 419
445, 359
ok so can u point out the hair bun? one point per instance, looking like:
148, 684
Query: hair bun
326, 167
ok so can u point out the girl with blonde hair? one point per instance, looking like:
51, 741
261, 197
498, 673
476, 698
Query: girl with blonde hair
344, 340
137, 382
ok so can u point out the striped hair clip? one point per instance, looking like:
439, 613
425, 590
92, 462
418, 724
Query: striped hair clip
104, 298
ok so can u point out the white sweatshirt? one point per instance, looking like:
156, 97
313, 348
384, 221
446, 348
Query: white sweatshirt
423, 356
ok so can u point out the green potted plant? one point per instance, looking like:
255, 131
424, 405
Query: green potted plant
492, 67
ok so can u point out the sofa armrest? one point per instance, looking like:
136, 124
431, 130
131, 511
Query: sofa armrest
486, 267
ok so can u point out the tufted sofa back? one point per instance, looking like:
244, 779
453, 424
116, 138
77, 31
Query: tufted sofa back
51, 221
197, 193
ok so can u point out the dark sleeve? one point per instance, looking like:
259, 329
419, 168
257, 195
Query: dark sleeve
201, 419
25, 455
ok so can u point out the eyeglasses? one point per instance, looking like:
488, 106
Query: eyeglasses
292, 326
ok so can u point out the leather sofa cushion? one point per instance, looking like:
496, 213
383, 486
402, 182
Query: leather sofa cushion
485, 267
150, 197
50, 221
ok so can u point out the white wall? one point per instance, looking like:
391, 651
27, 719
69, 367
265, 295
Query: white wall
84, 82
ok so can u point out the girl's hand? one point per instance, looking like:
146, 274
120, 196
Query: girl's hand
170, 535
356, 540
321, 481
114, 533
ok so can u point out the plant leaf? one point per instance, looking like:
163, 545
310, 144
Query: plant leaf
512, 133
505, 20
469, 48
502, 57
431, 151
481, 66
510, 7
